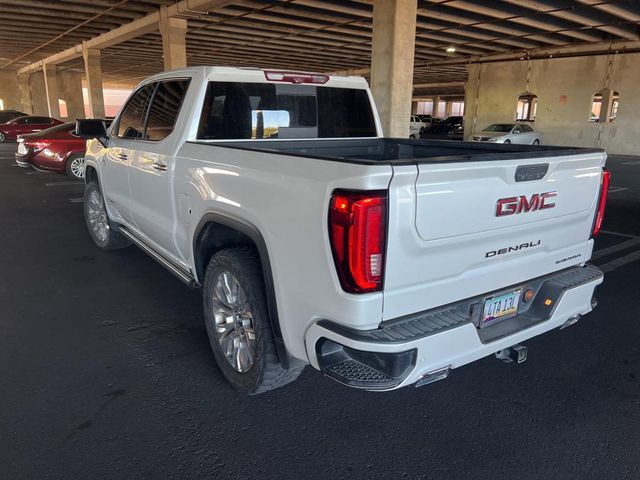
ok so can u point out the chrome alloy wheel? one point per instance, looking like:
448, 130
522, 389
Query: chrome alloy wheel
98, 221
77, 167
233, 322
3, 137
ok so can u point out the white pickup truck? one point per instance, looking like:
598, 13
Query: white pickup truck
315, 240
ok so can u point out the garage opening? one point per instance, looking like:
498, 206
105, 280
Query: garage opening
527, 107
62, 105
604, 106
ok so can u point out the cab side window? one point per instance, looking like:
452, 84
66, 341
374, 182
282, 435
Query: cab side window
164, 109
131, 122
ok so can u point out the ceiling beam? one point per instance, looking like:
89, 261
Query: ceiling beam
147, 24
439, 85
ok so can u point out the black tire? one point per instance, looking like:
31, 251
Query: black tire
507, 141
536, 142
412, 136
266, 372
3, 137
107, 238
70, 167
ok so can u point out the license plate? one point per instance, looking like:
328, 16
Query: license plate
500, 307
22, 150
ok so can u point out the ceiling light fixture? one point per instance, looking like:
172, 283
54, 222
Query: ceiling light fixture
451, 49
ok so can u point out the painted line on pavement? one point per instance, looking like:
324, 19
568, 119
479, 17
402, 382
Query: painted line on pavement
637, 162
76, 200
619, 262
617, 189
615, 248
63, 184
628, 235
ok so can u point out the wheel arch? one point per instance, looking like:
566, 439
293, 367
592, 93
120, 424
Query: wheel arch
215, 232
91, 174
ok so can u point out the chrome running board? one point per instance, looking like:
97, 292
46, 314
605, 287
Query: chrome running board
179, 272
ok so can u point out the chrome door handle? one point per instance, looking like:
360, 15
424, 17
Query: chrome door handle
159, 166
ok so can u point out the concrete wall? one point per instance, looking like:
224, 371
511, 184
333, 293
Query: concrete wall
565, 88
9, 92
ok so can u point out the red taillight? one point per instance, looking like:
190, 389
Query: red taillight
602, 202
296, 77
357, 230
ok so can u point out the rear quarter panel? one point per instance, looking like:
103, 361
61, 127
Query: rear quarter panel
286, 198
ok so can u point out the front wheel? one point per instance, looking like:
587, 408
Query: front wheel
536, 142
412, 136
507, 141
102, 232
74, 167
3, 137
237, 321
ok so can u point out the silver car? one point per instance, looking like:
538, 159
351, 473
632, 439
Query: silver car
520, 133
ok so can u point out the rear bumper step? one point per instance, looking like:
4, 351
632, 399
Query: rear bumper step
404, 350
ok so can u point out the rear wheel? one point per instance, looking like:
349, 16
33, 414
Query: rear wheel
102, 231
237, 322
74, 167
412, 136
3, 137
507, 141
536, 142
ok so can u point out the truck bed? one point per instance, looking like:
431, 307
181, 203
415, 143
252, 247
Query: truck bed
400, 151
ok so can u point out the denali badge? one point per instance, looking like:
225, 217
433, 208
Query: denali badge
520, 204
514, 248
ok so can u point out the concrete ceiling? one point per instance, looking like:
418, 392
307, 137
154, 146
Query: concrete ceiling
322, 35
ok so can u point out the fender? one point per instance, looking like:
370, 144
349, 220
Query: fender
256, 237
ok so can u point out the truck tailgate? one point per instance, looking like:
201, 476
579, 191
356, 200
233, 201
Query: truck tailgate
457, 230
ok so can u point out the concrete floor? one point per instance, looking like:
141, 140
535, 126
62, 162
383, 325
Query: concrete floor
106, 373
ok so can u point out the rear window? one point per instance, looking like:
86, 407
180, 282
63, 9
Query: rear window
235, 111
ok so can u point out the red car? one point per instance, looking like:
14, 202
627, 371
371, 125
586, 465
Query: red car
22, 125
56, 149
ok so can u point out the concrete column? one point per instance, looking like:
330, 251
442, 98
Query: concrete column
25, 93
436, 105
38, 93
93, 73
51, 89
605, 106
447, 108
414, 108
392, 54
70, 90
174, 43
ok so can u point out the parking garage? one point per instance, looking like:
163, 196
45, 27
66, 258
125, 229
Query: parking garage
106, 366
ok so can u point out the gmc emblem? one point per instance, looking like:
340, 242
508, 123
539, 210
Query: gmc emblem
520, 204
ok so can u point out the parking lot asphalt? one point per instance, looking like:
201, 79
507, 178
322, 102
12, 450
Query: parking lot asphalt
106, 373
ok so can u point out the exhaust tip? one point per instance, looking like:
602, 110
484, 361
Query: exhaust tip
434, 376
570, 321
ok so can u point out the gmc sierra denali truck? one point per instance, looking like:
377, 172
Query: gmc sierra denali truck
381, 262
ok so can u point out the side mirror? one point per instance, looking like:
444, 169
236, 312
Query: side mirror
92, 128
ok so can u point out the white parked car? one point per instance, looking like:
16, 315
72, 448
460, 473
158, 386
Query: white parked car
416, 126
315, 240
519, 133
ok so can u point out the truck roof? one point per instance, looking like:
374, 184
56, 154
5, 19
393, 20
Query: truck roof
253, 75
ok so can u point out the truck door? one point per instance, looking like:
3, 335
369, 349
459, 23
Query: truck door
115, 160
152, 165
